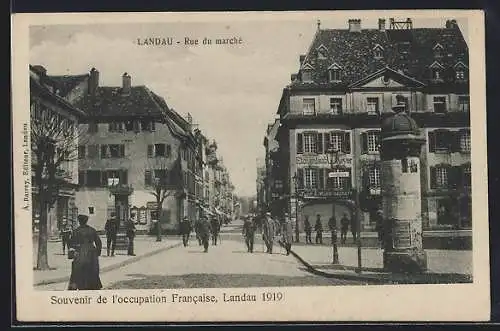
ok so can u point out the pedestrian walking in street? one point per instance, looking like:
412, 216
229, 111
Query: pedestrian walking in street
197, 225
268, 232
332, 226
85, 249
66, 230
379, 226
287, 233
249, 233
204, 232
318, 227
185, 228
111, 229
215, 228
130, 228
308, 230
344, 227
354, 229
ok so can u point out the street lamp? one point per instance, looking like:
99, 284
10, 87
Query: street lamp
332, 155
295, 185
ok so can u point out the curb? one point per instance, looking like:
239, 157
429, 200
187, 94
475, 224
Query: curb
110, 267
384, 279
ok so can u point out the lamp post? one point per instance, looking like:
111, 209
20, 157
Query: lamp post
333, 155
158, 225
297, 234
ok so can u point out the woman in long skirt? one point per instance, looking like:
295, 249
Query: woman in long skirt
85, 266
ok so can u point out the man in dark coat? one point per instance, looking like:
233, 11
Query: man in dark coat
215, 227
269, 232
86, 247
204, 232
287, 233
354, 229
308, 230
197, 230
332, 226
130, 228
185, 228
318, 227
111, 228
379, 226
66, 230
249, 233
344, 226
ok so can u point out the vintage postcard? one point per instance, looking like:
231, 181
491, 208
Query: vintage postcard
250, 166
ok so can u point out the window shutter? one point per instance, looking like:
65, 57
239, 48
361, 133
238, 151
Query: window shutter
454, 177
321, 178
327, 144
168, 150
122, 150
136, 126
346, 142
104, 178
433, 175
365, 180
466, 181
364, 143
81, 178
300, 178
150, 150
103, 151
432, 141
147, 178
123, 176
319, 143
300, 144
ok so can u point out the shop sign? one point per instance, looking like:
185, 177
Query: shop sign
338, 174
342, 159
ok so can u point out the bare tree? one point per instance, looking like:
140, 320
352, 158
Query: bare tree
54, 145
166, 180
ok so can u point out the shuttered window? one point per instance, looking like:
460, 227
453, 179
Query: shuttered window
370, 142
309, 142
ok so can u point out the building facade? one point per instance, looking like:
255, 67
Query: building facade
52, 116
331, 112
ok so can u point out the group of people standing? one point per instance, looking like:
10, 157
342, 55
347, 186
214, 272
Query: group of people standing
204, 229
345, 223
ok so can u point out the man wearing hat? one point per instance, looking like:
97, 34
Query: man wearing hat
111, 228
185, 228
287, 232
268, 232
204, 232
66, 230
249, 232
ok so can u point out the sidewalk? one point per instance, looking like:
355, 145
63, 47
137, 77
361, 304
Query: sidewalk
444, 266
144, 246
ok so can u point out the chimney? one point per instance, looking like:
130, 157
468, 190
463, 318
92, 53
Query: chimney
301, 58
93, 82
127, 82
293, 77
354, 25
381, 24
451, 24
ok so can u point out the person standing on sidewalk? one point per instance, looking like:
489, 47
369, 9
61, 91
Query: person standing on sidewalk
111, 228
354, 229
185, 228
379, 226
332, 226
249, 233
86, 248
268, 232
318, 227
130, 228
287, 233
344, 227
215, 227
308, 230
66, 230
197, 224
204, 232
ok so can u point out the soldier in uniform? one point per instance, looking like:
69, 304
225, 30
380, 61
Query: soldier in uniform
287, 233
318, 226
66, 230
204, 232
307, 230
185, 228
249, 233
332, 226
344, 226
111, 228
268, 232
130, 228
215, 228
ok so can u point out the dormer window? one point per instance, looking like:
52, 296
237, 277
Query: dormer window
306, 73
438, 51
322, 52
378, 52
437, 71
334, 73
461, 71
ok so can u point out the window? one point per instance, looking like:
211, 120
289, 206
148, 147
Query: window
334, 75
374, 177
372, 105
309, 143
378, 52
115, 127
308, 106
147, 125
159, 150
467, 179
340, 179
151, 177
336, 106
119, 174
439, 177
436, 74
460, 74
373, 142
463, 103
91, 210
439, 104
464, 141
439, 141
112, 151
444, 215
438, 51
336, 141
93, 178
81, 152
307, 76
92, 127
93, 151
310, 178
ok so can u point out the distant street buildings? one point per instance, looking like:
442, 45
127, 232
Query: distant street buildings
328, 132
131, 140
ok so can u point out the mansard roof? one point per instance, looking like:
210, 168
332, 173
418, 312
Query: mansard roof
353, 52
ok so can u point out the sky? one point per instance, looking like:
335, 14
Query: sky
231, 91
